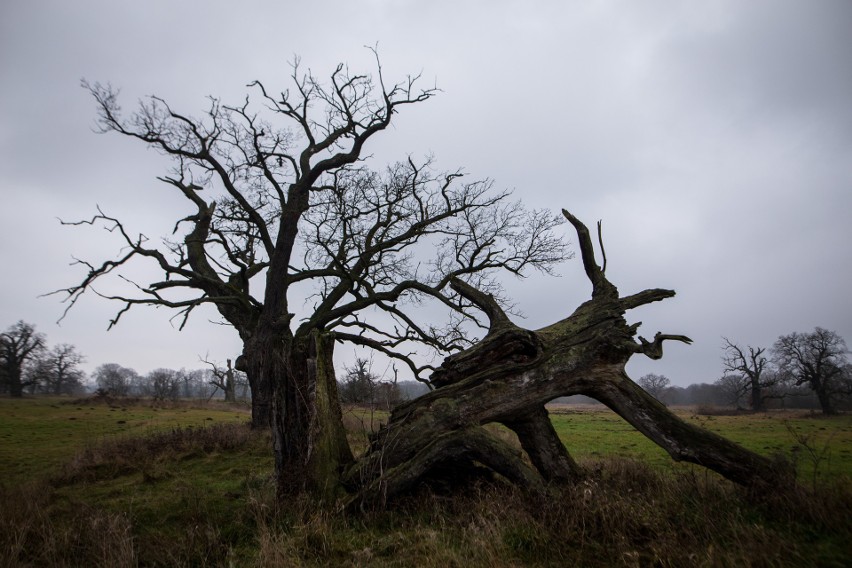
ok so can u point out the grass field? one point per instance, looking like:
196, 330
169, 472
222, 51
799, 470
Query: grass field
37, 435
817, 444
85, 484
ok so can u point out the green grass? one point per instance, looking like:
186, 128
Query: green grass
191, 486
592, 432
38, 435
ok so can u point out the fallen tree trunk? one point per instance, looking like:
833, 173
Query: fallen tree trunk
510, 375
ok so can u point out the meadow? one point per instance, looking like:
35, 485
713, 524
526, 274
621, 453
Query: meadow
128, 483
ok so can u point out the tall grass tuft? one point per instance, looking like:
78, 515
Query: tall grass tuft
120, 456
31, 533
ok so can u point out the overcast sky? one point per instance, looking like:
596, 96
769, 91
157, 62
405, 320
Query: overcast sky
713, 139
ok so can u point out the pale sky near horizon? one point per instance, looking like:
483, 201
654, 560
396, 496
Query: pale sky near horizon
713, 139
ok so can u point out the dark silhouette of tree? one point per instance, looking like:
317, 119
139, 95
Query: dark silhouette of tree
57, 371
19, 345
358, 383
747, 372
163, 384
512, 373
115, 379
818, 360
655, 385
280, 202
361, 386
224, 378
274, 211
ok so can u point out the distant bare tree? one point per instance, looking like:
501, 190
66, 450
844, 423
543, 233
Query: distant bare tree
655, 385
735, 388
361, 385
358, 383
748, 369
224, 379
818, 360
163, 384
57, 371
19, 345
115, 379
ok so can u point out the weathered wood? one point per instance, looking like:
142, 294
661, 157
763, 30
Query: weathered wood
546, 451
512, 373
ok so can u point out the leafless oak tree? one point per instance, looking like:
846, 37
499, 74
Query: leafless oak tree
57, 371
274, 211
279, 202
654, 384
748, 370
19, 345
224, 379
114, 379
818, 360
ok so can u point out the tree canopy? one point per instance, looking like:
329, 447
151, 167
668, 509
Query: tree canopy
282, 206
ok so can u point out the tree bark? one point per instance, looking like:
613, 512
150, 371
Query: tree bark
260, 387
230, 386
512, 373
309, 441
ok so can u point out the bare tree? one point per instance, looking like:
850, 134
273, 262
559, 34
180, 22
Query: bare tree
224, 379
736, 389
655, 385
115, 379
57, 371
19, 345
361, 385
358, 383
751, 367
163, 384
818, 360
274, 210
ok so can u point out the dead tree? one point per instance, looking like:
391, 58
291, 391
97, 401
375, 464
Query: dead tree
279, 201
512, 373
224, 379
280, 205
752, 367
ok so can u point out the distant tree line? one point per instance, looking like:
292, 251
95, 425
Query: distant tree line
800, 370
27, 364
168, 384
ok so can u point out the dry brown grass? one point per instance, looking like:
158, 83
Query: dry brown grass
32, 535
624, 514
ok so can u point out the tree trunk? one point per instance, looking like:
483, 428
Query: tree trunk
230, 386
823, 396
16, 387
757, 403
260, 387
309, 441
511, 374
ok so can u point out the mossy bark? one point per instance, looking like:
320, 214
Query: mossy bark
309, 441
512, 373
